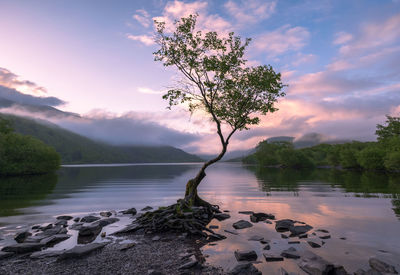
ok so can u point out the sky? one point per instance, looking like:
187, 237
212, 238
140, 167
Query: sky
340, 60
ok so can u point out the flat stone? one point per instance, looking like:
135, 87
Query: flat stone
65, 217
76, 226
314, 244
213, 227
299, 229
322, 230
257, 217
89, 219
267, 247
23, 248
283, 225
231, 232
246, 255
54, 239
46, 226
105, 222
105, 214
127, 229
283, 236
245, 268
272, 258
79, 251
91, 229
147, 208
46, 254
4, 255
35, 239
315, 265
52, 231
303, 236
381, 266
21, 236
131, 211
290, 253
242, 224
62, 223
246, 212
221, 216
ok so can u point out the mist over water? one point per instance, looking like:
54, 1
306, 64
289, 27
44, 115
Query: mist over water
362, 207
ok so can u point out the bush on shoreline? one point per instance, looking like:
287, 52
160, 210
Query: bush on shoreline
24, 155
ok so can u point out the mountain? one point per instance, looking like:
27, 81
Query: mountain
75, 148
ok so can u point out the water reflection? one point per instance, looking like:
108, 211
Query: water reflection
356, 183
20, 192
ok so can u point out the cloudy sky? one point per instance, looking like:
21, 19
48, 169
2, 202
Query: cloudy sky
340, 59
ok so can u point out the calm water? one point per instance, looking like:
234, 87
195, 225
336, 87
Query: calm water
362, 207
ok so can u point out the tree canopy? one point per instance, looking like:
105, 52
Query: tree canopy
390, 129
216, 78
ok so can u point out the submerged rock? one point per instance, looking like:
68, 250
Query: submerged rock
79, 251
272, 258
299, 229
245, 268
242, 224
246, 255
246, 212
381, 266
221, 216
258, 217
21, 236
314, 244
314, 264
89, 219
283, 225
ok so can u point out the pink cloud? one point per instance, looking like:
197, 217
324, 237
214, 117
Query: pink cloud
251, 11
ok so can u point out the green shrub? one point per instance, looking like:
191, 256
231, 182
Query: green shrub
371, 158
392, 161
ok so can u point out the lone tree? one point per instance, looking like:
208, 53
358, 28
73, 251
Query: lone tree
217, 81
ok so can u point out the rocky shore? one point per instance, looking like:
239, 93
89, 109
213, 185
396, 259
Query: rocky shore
86, 245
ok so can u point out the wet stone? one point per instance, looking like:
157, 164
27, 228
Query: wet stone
231, 232
191, 263
245, 268
283, 225
246, 255
79, 251
45, 254
246, 212
4, 255
256, 238
221, 216
147, 208
213, 227
89, 219
257, 217
290, 253
381, 266
105, 214
272, 258
283, 236
21, 236
23, 248
267, 247
299, 229
65, 217
324, 237
242, 224
314, 244
127, 246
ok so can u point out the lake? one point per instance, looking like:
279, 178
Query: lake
363, 208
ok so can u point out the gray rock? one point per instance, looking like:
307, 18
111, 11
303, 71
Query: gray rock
257, 217
267, 247
35, 239
283, 236
222, 216
21, 236
245, 255
79, 251
215, 237
339, 270
46, 226
105, 214
191, 263
314, 244
127, 229
322, 230
324, 237
244, 269
91, 229
52, 231
246, 212
89, 219
381, 266
66, 218
213, 227
4, 255
272, 258
77, 219
242, 224
54, 239
105, 222
303, 236
23, 248
147, 208
290, 253
315, 265
299, 229
45, 254
283, 225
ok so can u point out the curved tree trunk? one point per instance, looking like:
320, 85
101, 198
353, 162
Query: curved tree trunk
191, 196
